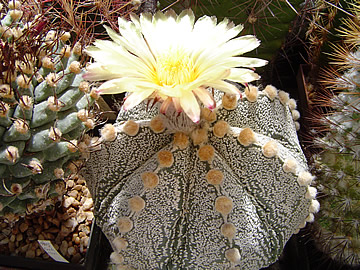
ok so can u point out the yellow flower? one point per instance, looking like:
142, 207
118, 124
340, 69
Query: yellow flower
174, 59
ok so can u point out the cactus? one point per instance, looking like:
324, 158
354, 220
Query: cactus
220, 194
325, 19
188, 186
338, 164
44, 110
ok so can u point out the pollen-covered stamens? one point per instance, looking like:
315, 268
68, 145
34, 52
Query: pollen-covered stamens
173, 68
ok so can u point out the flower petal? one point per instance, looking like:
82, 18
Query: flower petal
98, 72
224, 86
190, 106
132, 40
165, 105
136, 98
240, 45
110, 53
206, 98
125, 84
177, 105
242, 75
244, 62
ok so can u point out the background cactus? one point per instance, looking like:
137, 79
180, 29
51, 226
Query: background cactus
228, 192
267, 19
337, 166
44, 111
325, 19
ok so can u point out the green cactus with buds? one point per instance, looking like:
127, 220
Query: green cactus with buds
44, 111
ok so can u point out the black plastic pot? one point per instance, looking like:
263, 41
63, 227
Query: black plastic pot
96, 258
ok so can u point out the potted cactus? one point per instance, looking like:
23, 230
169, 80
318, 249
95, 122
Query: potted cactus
221, 185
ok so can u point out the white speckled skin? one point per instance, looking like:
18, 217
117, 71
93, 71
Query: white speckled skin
179, 227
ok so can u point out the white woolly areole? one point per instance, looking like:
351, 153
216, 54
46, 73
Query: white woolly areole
314, 206
283, 97
51, 79
23, 81
12, 153
310, 218
292, 104
54, 104
290, 165
14, 4
251, 93
54, 134
26, 102
311, 193
305, 178
246, 137
297, 126
233, 255
116, 258
157, 124
75, 67
120, 243
302, 224
21, 126
270, 149
295, 114
270, 91
108, 133
59, 173
124, 224
228, 230
130, 127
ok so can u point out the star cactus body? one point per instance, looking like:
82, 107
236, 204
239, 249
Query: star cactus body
225, 193
174, 59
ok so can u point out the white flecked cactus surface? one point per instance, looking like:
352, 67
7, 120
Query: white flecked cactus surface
226, 193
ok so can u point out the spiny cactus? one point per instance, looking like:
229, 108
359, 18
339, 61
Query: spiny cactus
267, 19
44, 110
325, 19
338, 164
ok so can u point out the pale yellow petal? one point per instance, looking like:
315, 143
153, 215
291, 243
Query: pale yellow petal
242, 75
244, 62
132, 40
224, 86
190, 106
109, 53
136, 98
98, 72
240, 45
125, 84
205, 97
161, 25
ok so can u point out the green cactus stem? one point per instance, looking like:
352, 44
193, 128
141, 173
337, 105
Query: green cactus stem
45, 109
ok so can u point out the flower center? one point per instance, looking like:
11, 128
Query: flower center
173, 68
